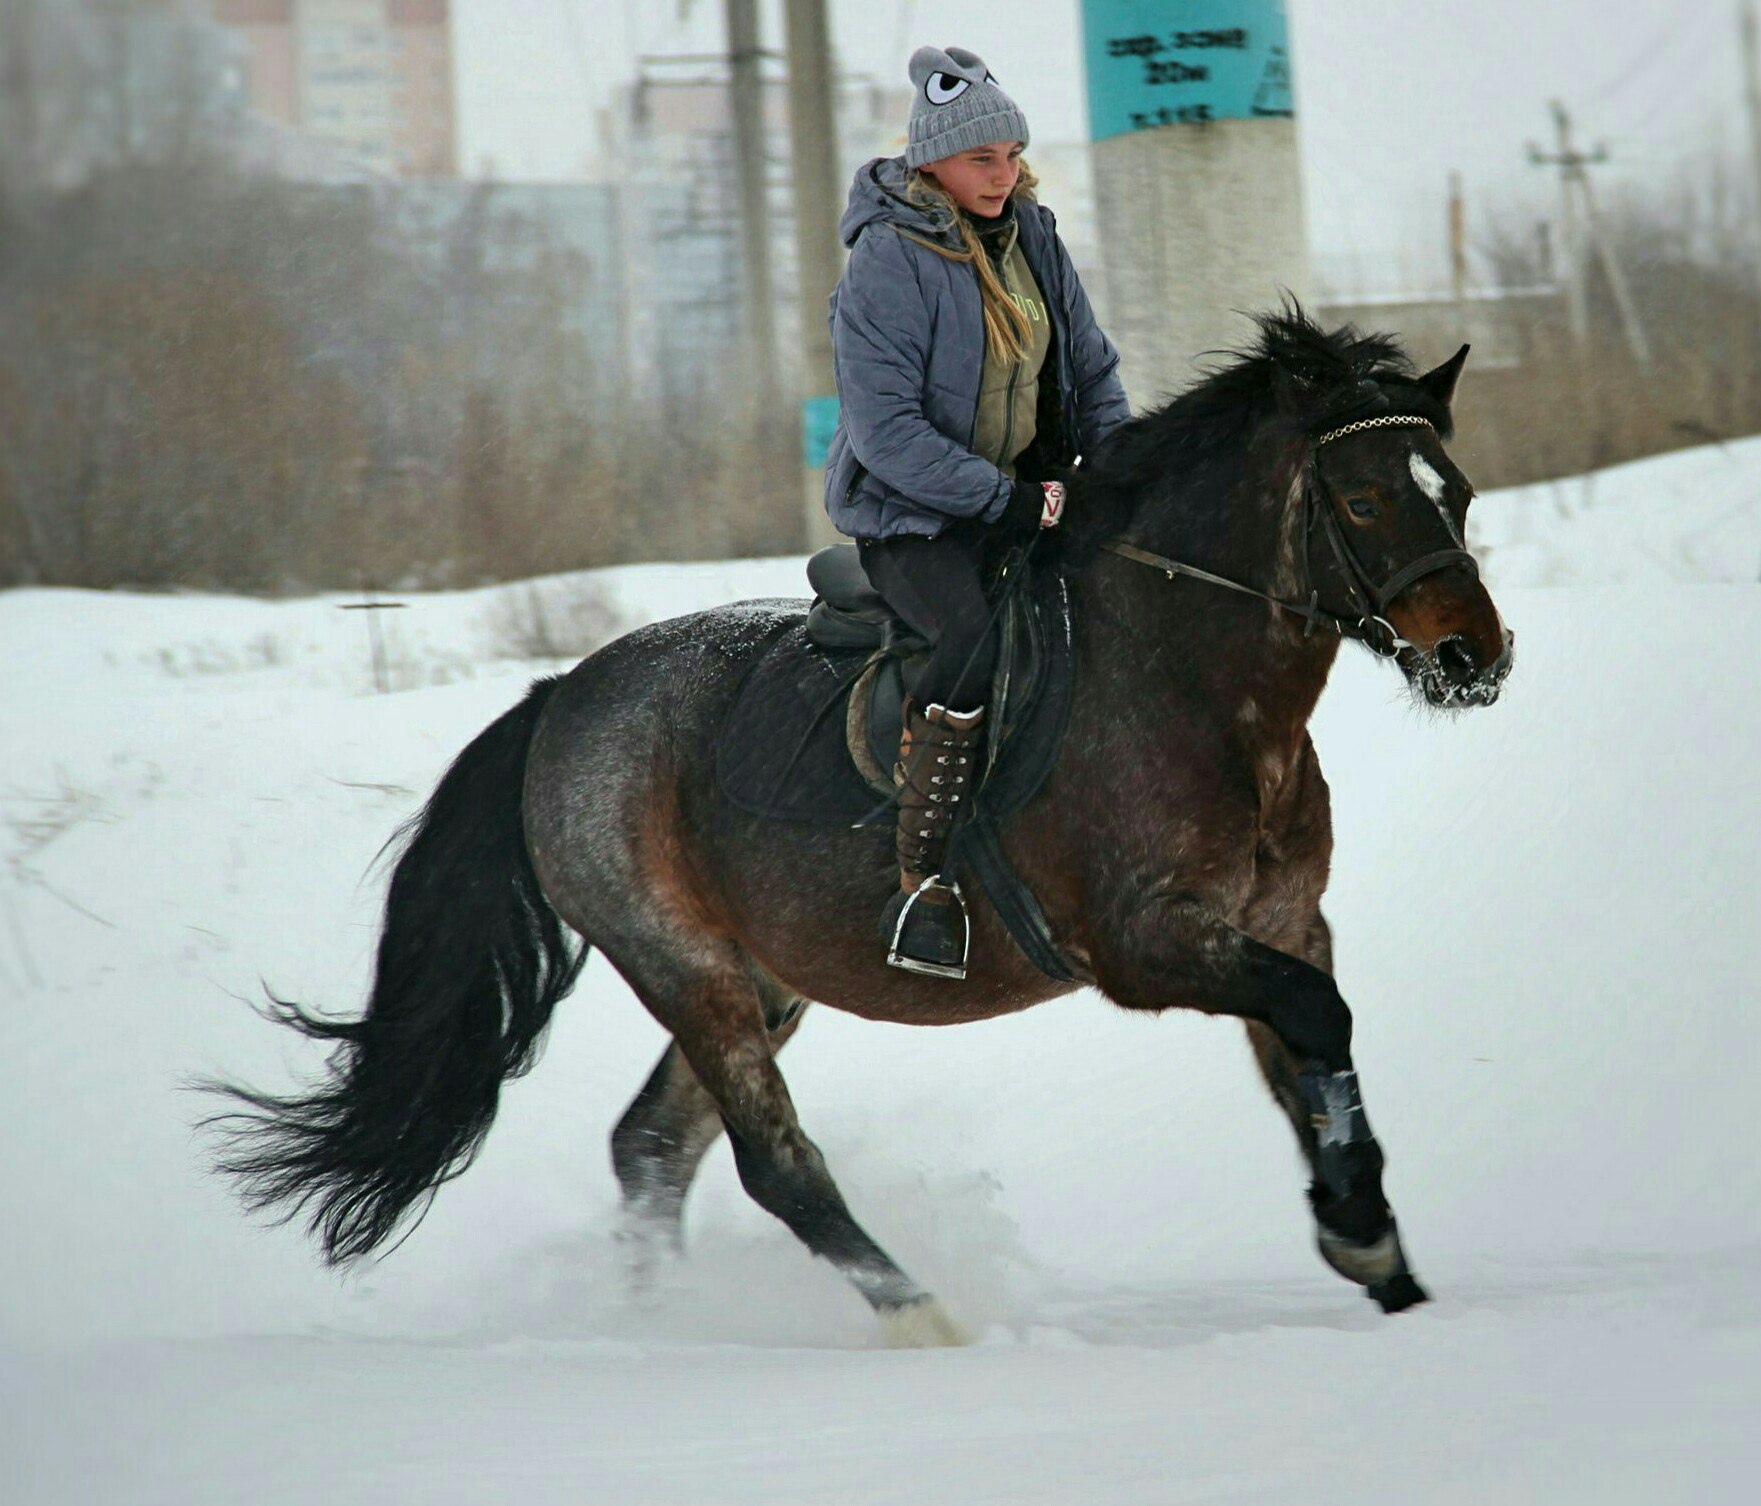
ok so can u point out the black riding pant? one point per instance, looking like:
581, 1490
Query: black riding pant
937, 586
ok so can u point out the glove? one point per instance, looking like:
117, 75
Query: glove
1032, 506
1020, 519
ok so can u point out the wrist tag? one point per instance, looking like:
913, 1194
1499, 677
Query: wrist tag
1052, 514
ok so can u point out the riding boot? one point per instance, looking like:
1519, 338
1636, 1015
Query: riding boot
924, 924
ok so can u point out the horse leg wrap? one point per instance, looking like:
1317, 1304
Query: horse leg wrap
1354, 1230
1336, 1112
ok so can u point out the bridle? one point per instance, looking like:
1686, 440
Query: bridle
1368, 599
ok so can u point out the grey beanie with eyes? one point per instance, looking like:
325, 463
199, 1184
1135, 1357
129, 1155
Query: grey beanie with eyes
956, 106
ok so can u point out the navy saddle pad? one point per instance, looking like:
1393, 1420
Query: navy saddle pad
784, 749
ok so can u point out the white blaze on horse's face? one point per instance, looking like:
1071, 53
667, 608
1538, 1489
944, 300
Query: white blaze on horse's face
1433, 486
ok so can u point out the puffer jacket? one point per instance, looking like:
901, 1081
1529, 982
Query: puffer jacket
908, 347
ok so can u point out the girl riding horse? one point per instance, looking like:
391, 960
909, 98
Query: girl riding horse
970, 372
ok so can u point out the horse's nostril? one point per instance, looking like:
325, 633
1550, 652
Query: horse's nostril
1457, 660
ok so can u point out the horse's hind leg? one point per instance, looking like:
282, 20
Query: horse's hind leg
665, 1133
715, 1013
1353, 1234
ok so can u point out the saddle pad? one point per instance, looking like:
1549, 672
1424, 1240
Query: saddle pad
783, 752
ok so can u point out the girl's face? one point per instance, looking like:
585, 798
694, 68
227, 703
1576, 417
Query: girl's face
981, 180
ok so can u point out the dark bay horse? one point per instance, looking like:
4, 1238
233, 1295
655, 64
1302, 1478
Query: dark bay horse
1179, 848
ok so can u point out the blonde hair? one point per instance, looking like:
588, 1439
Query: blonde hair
1007, 332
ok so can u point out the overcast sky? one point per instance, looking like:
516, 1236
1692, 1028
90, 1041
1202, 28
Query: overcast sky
1390, 94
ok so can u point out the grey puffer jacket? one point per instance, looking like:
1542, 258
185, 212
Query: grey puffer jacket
908, 346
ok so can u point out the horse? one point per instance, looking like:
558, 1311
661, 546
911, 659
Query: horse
1218, 551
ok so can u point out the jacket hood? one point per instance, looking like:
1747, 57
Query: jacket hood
877, 195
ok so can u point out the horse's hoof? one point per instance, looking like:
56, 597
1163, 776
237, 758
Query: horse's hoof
923, 1324
1372, 1264
647, 1246
1397, 1295
1379, 1266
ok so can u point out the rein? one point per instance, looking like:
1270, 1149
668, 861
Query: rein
1371, 626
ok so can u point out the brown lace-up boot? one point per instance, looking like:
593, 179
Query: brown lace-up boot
924, 924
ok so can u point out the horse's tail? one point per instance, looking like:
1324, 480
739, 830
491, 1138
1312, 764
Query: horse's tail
472, 961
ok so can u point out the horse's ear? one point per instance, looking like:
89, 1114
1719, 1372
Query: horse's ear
1440, 382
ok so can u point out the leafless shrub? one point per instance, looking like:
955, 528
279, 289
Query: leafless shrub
1562, 408
220, 383
551, 619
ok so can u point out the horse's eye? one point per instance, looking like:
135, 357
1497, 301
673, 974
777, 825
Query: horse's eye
1360, 507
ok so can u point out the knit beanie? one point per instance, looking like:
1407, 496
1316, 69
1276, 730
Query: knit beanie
956, 106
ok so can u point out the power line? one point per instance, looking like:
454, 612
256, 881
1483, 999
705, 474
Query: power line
1668, 92
1665, 41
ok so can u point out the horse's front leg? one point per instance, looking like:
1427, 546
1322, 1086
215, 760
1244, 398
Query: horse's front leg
1175, 953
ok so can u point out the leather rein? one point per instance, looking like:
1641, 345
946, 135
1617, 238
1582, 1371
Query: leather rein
1369, 600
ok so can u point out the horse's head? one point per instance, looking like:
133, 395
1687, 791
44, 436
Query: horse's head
1387, 533
1328, 443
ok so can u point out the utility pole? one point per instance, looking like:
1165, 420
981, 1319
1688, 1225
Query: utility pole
1623, 298
1571, 240
1752, 103
813, 138
1573, 180
747, 101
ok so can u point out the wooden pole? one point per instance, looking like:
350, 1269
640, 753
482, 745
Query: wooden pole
1572, 247
1752, 105
1457, 240
813, 136
747, 109
1623, 298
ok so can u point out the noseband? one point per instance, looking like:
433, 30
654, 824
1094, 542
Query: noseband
1369, 601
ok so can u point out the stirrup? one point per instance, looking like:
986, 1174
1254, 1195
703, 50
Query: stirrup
930, 966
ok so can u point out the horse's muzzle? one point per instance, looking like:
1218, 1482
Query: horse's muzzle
1452, 675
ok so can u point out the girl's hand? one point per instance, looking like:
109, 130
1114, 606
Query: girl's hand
1035, 505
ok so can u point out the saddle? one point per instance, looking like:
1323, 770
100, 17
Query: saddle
814, 726
814, 729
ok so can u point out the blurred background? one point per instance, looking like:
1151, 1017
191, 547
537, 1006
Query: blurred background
311, 295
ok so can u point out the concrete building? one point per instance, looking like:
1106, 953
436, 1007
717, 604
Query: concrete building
669, 139
85, 86
373, 79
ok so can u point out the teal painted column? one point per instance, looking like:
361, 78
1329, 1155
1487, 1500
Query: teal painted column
1198, 188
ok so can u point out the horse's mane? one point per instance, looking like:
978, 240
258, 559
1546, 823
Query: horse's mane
1295, 378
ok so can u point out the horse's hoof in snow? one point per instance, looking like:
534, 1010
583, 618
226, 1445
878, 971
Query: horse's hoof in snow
1379, 1266
923, 1324
647, 1246
1399, 1294
1380, 1260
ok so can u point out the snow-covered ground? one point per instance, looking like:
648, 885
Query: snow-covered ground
1546, 921
1694, 515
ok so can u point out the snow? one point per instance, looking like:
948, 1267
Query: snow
1545, 920
1693, 515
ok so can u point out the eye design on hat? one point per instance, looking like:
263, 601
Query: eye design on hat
945, 88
